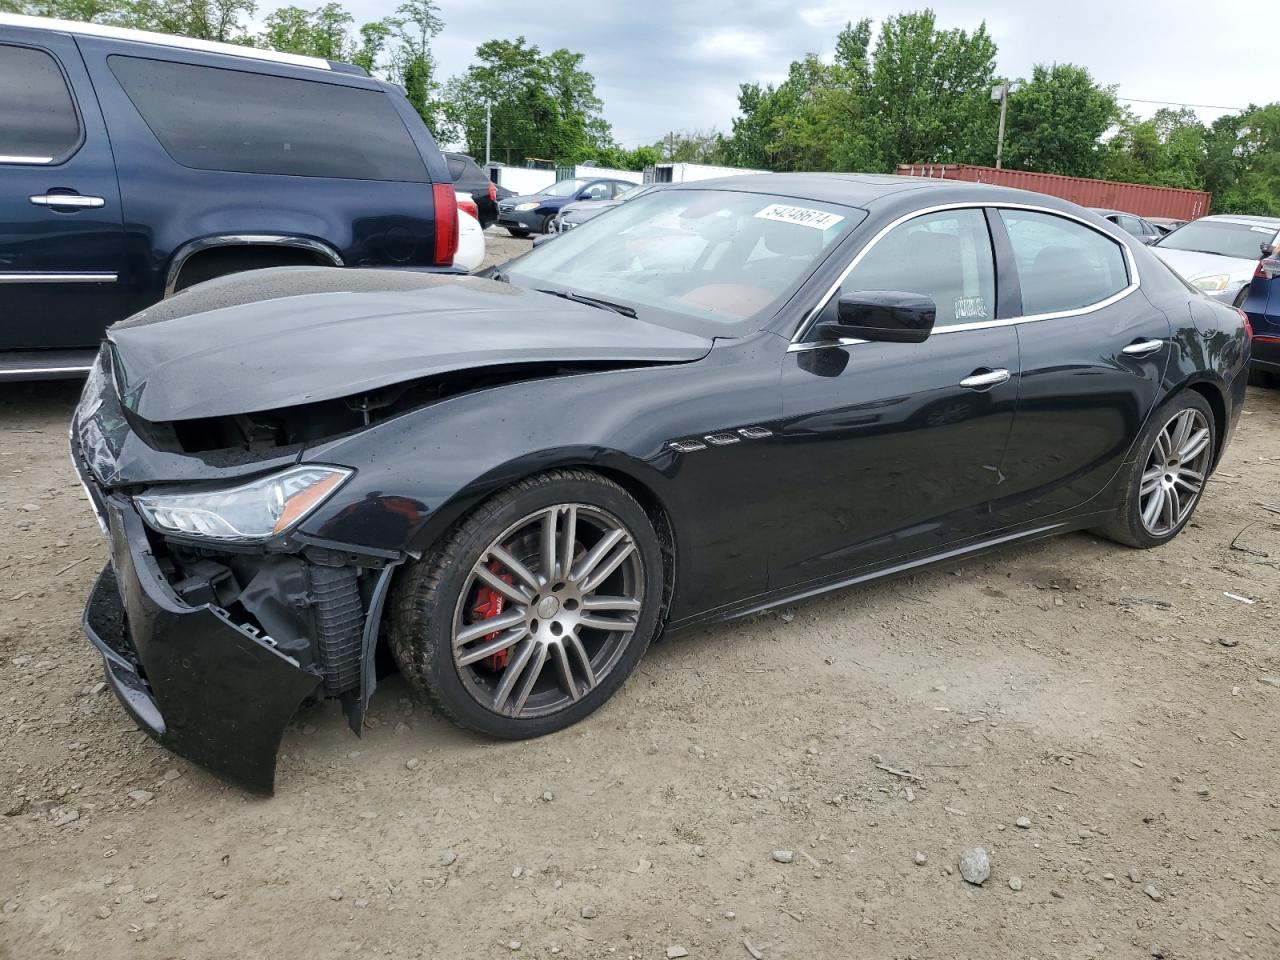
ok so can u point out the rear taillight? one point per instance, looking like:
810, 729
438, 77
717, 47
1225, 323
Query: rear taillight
493, 192
446, 202
467, 205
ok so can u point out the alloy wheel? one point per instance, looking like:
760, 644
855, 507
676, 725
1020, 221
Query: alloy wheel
548, 610
1175, 472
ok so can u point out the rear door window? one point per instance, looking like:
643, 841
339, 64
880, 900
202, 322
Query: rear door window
946, 256
1062, 265
38, 119
215, 119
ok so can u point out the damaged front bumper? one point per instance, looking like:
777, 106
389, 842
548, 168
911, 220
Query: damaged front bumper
202, 681
212, 647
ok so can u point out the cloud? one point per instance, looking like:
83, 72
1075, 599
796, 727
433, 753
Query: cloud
666, 64
736, 44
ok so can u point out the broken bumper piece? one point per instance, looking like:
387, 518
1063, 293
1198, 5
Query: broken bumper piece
209, 689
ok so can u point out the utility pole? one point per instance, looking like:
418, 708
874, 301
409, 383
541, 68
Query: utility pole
1001, 92
488, 130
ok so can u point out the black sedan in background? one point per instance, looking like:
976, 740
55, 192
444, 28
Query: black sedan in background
469, 177
723, 397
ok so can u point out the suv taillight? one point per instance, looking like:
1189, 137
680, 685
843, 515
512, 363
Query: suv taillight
493, 191
446, 224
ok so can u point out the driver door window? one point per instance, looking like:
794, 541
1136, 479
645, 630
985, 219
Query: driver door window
597, 191
946, 256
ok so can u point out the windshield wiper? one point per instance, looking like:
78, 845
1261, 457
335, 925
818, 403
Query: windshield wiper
621, 308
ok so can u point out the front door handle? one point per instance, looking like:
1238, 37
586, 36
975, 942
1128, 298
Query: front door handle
1142, 348
66, 200
985, 380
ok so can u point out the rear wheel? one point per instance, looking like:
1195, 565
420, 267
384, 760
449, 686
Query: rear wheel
534, 609
1167, 478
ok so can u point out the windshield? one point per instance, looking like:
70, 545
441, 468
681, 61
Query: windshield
716, 262
565, 188
1241, 240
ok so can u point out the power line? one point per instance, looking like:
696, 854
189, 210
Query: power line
1180, 103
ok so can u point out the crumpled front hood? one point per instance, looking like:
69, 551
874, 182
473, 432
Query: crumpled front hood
1191, 264
295, 335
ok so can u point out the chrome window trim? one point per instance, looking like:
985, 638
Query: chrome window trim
245, 239
86, 276
30, 371
1135, 282
13, 158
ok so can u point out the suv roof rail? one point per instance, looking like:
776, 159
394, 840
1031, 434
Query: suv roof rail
168, 40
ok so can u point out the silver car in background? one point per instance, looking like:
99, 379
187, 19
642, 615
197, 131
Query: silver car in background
1218, 255
580, 211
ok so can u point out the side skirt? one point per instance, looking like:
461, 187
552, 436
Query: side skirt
795, 594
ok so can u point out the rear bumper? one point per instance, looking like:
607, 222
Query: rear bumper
1266, 354
210, 690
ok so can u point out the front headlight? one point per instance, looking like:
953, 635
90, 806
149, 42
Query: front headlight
250, 512
1212, 284
526, 206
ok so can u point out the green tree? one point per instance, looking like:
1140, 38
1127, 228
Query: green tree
1056, 122
202, 19
322, 32
930, 92
541, 106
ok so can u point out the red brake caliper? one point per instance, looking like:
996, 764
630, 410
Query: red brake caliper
489, 604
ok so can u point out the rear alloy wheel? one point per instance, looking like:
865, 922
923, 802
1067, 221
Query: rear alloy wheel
537, 608
1168, 477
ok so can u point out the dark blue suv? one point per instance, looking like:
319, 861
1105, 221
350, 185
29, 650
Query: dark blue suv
134, 164
1262, 305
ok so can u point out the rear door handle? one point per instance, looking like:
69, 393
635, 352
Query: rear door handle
1142, 348
985, 381
66, 200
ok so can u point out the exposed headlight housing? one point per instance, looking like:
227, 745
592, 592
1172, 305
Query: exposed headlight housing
526, 206
1214, 283
248, 513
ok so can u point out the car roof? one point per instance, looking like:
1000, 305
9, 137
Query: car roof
868, 190
167, 40
1245, 218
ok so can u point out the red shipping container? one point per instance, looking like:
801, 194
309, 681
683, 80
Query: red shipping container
1135, 198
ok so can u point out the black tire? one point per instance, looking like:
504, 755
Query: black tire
546, 224
1127, 527
428, 594
518, 234
1261, 378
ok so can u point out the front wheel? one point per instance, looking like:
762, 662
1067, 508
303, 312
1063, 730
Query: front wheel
1167, 478
518, 234
534, 609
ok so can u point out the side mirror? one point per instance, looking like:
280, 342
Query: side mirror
888, 315
1268, 250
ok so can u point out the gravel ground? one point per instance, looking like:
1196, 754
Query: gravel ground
1102, 722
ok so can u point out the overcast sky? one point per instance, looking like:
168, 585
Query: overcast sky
676, 64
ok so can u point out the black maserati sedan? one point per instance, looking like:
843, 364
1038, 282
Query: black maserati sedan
722, 397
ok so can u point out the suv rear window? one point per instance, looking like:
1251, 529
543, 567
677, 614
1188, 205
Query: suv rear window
215, 119
38, 122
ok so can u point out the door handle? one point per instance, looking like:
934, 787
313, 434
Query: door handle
984, 381
1142, 348
66, 200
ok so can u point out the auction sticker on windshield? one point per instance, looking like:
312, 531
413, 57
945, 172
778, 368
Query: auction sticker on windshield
804, 216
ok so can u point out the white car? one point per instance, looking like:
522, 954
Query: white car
470, 234
1218, 255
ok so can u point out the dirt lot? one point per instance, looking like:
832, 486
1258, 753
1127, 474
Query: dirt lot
1118, 700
